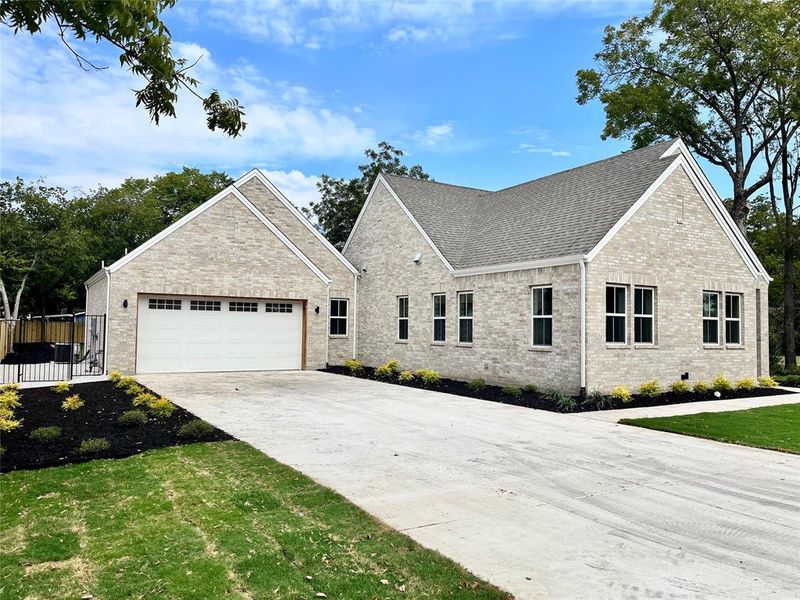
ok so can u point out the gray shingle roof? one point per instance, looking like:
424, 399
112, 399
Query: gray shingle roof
563, 214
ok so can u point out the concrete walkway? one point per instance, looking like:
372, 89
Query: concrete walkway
541, 504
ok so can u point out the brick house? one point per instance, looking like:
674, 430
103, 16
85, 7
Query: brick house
613, 273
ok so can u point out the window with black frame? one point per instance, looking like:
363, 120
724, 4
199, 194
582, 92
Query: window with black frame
338, 317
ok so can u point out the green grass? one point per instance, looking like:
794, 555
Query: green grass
770, 427
203, 521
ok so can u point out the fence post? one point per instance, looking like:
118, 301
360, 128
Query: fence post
72, 346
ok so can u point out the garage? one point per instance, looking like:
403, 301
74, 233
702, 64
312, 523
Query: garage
195, 334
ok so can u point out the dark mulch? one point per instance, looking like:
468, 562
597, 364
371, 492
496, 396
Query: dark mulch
103, 404
540, 400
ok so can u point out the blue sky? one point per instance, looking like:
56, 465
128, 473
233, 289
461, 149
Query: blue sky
479, 93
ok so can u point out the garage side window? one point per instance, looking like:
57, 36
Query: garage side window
710, 318
243, 306
402, 318
464, 317
542, 310
338, 317
164, 304
616, 314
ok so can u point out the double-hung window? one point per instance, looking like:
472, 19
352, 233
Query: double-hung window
542, 315
643, 315
616, 315
439, 317
711, 317
464, 317
733, 319
402, 318
338, 317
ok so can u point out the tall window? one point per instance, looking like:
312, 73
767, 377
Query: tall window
643, 315
465, 317
733, 319
616, 317
338, 317
710, 317
542, 311
402, 318
439, 317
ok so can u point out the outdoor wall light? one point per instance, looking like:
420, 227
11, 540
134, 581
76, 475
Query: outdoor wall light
125, 303
316, 310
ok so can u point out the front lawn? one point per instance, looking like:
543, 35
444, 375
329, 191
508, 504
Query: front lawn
770, 427
206, 520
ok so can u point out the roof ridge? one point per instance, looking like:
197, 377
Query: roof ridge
455, 185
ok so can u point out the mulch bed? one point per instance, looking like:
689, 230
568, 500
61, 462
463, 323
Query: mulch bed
540, 401
103, 404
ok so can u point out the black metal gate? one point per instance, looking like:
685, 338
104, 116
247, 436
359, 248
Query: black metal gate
52, 348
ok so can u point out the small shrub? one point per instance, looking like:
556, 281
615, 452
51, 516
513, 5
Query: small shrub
93, 446
196, 429
162, 408
354, 366
563, 402
9, 387
701, 387
9, 423
767, 382
531, 388
9, 399
477, 385
6, 413
115, 376
144, 399
129, 384
721, 384
73, 402
748, 383
133, 418
429, 378
621, 394
597, 400
62, 387
512, 391
650, 389
387, 370
679, 387
45, 435
405, 376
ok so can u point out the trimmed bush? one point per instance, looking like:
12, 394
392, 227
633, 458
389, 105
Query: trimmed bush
767, 382
130, 385
115, 376
679, 387
429, 378
9, 399
9, 423
73, 402
45, 435
512, 391
93, 446
701, 387
721, 384
405, 376
133, 418
476, 385
387, 370
563, 402
354, 366
531, 388
748, 383
196, 429
650, 389
62, 387
162, 408
621, 394
597, 400
144, 399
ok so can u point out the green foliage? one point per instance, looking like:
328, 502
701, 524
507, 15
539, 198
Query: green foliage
721, 384
115, 376
405, 376
9, 387
73, 402
621, 394
144, 399
342, 199
9, 423
477, 385
93, 446
62, 387
133, 418
45, 435
512, 391
679, 387
530, 388
162, 408
767, 382
597, 400
196, 429
748, 383
354, 366
562, 401
387, 371
429, 378
650, 389
701, 387
9, 399
126, 382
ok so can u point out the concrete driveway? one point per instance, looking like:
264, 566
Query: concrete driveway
541, 504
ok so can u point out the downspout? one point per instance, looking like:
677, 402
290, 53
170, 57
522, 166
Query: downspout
327, 325
583, 327
355, 312
108, 319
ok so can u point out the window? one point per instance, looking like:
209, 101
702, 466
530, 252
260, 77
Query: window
338, 317
710, 318
278, 307
243, 306
733, 319
465, 317
439, 317
643, 315
402, 318
616, 316
164, 304
542, 311
212, 305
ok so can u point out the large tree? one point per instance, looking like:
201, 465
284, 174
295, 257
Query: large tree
135, 28
342, 199
697, 69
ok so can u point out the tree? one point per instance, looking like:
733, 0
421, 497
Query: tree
134, 27
342, 199
697, 69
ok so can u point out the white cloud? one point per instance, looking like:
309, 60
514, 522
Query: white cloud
434, 134
525, 148
301, 189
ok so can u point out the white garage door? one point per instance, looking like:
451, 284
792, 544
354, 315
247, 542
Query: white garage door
189, 334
